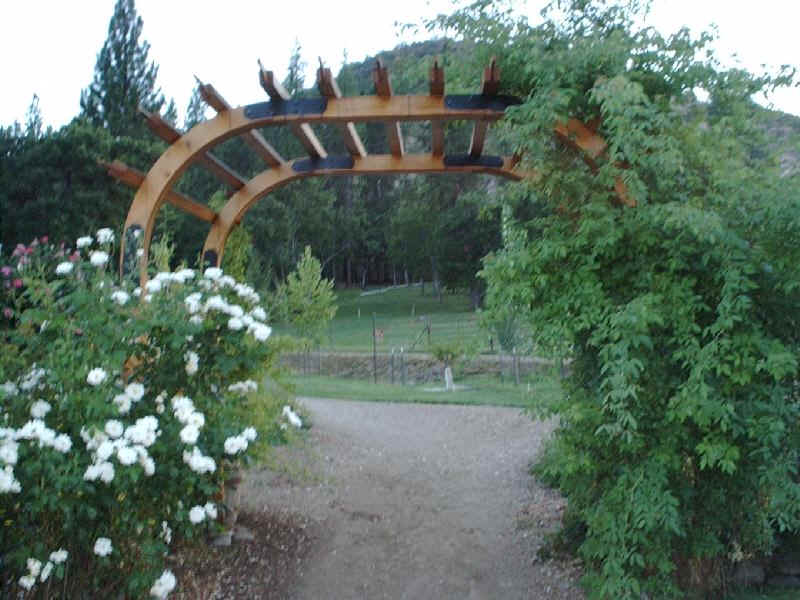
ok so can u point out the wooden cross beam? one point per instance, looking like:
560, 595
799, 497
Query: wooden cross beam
383, 87
252, 138
133, 179
437, 127
302, 131
490, 84
170, 135
330, 89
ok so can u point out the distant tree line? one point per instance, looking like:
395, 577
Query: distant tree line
365, 230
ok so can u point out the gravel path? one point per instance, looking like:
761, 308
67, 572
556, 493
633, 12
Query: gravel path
418, 501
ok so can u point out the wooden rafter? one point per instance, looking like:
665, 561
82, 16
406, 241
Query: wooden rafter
437, 90
302, 131
170, 135
133, 179
252, 138
156, 187
383, 87
330, 89
490, 84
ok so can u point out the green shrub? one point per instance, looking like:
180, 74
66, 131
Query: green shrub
119, 418
679, 434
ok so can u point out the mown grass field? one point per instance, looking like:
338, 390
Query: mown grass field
401, 314
479, 389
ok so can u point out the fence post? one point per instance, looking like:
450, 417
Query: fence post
516, 366
392, 366
374, 352
402, 366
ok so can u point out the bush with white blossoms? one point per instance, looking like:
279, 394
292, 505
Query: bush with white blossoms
121, 410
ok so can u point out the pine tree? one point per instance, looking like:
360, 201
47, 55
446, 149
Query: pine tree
196, 111
33, 120
124, 79
295, 78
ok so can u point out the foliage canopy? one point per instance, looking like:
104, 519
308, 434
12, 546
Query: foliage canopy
678, 443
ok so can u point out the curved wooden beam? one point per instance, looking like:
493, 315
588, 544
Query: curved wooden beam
157, 184
243, 120
374, 164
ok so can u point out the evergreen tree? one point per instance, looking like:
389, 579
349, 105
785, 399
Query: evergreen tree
295, 78
33, 119
124, 79
196, 111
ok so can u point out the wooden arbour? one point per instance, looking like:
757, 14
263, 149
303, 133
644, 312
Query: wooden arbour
194, 146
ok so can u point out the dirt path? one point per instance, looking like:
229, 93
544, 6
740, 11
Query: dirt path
418, 501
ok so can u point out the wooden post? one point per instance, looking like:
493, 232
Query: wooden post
374, 352
402, 366
516, 366
392, 366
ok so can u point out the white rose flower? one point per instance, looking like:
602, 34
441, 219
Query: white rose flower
105, 450
249, 434
135, 391
163, 585
235, 323
64, 268
196, 419
123, 403
235, 444
9, 452
261, 332
27, 581
212, 273
59, 556
258, 313
48, 567
197, 514
191, 359
114, 428
105, 235
106, 472
34, 566
153, 286
120, 297
211, 510
62, 443
39, 409
126, 455
189, 434
84, 241
8, 483
102, 546
98, 258
96, 376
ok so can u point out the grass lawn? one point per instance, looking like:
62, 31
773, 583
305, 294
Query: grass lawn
401, 313
481, 389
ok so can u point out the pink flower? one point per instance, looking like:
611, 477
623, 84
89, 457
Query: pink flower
6, 271
75, 256
8, 313
17, 283
44, 239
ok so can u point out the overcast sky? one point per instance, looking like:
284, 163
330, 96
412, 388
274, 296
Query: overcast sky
49, 47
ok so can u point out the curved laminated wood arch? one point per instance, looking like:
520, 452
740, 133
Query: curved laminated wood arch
155, 188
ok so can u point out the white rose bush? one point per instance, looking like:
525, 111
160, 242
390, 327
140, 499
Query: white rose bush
122, 411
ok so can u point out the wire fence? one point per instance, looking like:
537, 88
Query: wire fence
411, 368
